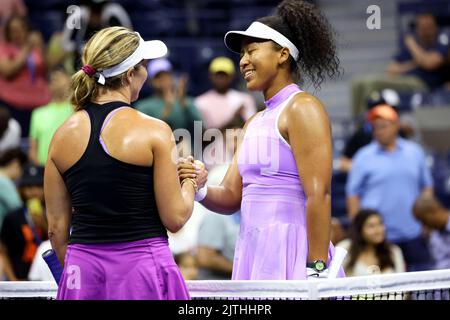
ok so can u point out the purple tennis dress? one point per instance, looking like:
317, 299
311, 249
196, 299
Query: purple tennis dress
272, 242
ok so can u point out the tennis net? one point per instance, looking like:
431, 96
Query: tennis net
426, 285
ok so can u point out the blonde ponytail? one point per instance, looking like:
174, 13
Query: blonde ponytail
83, 87
107, 48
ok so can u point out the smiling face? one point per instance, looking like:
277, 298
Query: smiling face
259, 63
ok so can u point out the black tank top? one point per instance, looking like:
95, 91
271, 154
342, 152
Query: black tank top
113, 201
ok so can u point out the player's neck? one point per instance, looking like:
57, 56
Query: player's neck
280, 82
110, 96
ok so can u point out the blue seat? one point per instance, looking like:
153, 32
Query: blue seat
338, 196
47, 23
34, 5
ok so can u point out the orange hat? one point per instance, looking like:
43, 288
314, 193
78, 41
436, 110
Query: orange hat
382, 111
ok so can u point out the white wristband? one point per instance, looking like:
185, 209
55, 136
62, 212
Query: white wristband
201, 194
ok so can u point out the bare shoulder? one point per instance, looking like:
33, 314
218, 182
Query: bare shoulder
155, 129
70, 140
305, 104
154, 123
306, 111
72, 128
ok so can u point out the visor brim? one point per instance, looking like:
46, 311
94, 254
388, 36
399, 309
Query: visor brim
233, 39
153, 49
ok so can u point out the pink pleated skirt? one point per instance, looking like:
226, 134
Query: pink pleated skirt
137, 270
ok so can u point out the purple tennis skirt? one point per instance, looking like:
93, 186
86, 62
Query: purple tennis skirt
137, 270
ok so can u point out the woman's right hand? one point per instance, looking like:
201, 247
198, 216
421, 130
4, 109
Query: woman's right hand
186, 168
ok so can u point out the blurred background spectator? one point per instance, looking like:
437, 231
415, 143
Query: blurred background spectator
9, 8
169, 102
11, 167
91, 16
216, 242
45, 120
10, 131
418, 66
436, 218
187, 262
23, 83
364, 134
388, 175
368, 250
24, 229
223, 105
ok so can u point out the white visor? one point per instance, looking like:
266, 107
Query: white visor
233, 39
146, 50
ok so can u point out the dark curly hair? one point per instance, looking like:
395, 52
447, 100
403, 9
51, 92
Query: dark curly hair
358, 243
308, 29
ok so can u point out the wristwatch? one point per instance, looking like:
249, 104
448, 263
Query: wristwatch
317, 265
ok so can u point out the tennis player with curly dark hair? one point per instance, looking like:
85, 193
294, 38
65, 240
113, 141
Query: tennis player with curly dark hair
281, 174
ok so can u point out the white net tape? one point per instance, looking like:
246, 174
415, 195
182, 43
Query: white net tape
412, 285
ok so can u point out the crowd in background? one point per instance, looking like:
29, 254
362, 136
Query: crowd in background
395, 223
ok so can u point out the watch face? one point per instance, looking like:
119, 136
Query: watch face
320, 265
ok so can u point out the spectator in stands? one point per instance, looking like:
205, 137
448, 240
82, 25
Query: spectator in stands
361, 137
170, 102
368, 250
187, 262
10, 131
419, 66
217, 237
388, 175
65, 46
46, 120
24, 229
186, 239
11, 167
222, 104
58, 55
364, 134
216, 243
9, 8
434, 216
23, 85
